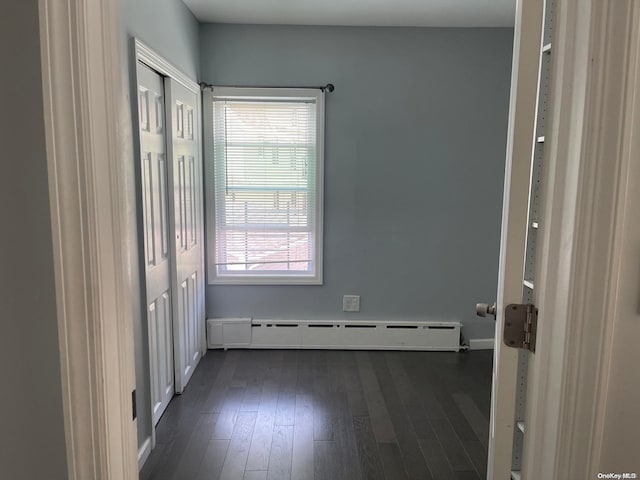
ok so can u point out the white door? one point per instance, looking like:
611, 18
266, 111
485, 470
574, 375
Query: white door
187, 213
517, 227
156, 236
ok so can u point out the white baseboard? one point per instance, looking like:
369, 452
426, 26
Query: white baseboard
333, 334
481, 343
144, 452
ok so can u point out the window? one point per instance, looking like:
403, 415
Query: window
265, 208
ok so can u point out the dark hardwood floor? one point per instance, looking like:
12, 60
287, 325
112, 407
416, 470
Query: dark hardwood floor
334, 415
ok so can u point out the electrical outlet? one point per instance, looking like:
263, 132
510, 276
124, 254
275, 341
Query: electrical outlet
351, 303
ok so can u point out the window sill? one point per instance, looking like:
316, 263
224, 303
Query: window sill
271, 280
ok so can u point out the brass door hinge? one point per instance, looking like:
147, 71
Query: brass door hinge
520, 325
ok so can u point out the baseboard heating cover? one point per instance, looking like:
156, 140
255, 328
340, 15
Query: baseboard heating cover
333, 334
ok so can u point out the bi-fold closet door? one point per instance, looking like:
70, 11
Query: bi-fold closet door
172, 208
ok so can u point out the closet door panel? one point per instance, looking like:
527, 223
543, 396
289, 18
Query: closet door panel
187, 208
157, 257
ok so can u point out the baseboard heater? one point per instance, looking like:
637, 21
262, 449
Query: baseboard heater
334, 334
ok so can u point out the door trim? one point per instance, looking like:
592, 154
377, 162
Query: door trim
145, 54
593, 92
520, 138
81, 89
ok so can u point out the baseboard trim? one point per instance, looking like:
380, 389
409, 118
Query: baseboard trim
144, 452
482, 343
319, 346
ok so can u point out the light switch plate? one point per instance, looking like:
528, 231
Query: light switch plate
351, 303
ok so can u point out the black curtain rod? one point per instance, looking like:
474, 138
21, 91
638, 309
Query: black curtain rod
329, 87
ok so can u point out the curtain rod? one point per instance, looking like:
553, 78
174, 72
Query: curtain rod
329, 87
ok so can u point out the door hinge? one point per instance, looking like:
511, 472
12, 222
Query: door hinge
134, 409
520, 326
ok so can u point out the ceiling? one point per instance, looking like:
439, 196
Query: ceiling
391, 13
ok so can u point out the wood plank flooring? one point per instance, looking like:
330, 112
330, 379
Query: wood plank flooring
328, 415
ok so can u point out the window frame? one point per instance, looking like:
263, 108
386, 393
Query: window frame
255, 93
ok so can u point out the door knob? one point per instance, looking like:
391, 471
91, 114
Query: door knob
484, 309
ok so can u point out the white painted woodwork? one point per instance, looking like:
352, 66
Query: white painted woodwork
618, 433
333, 334
81, 93
143, 452
524, 77
581, 408
187, 219
482, 343
153, 168
149, 57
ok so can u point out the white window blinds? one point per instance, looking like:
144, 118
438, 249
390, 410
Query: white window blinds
266, 168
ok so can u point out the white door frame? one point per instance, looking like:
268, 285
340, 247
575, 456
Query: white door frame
146, 55
593, 92
79, 49
522, 114
81, 88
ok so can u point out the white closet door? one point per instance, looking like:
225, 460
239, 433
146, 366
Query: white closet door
186, 181
156, 236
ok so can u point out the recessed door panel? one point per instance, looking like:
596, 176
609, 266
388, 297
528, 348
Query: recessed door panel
160, 353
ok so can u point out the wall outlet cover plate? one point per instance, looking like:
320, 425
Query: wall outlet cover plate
351, 303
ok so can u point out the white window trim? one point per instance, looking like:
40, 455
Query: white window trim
257, 93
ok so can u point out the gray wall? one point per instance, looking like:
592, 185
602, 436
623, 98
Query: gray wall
32, 442
171, 30
415, 149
